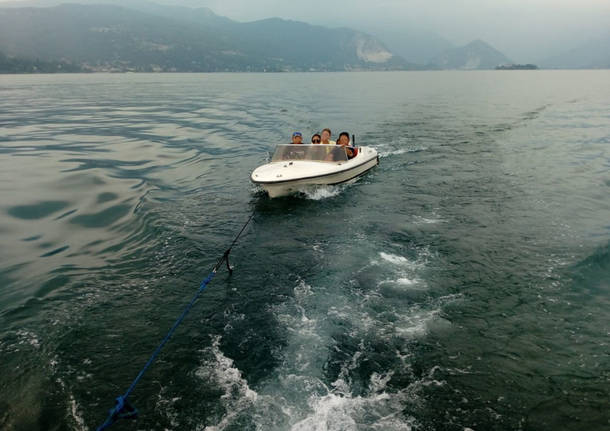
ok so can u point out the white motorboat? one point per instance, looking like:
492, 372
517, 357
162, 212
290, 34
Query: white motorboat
293, 167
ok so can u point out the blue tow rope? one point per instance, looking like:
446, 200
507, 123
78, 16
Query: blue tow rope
122, 408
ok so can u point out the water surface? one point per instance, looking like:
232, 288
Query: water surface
462, 284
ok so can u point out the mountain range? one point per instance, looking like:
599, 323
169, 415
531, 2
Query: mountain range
475, 55
140, 35
165, 38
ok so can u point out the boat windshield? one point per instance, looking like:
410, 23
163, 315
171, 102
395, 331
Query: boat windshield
316, 152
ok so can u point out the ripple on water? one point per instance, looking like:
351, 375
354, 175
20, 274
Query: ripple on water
104, 218
37, 210
338, 317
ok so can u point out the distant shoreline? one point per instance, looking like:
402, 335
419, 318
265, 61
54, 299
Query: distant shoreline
287, 72
517, 67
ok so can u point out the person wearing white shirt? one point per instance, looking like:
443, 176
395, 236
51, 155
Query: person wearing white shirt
326, 134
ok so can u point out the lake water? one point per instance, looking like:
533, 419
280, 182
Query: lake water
463, 284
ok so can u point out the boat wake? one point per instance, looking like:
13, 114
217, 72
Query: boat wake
322, 192
219, 371
330, 377
395, 152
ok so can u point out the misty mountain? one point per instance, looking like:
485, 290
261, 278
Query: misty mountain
594, 54
475, 55
174, 9
416, 45
151, 37
332, 49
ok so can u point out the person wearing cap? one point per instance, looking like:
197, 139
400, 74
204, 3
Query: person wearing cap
297, 138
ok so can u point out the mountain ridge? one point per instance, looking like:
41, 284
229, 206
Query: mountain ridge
474, 55
141, 35
115, 38
379, 48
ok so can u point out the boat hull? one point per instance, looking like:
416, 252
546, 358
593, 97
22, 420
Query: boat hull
287, 187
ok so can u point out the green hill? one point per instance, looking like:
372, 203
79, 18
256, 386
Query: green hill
166, 38
23, 65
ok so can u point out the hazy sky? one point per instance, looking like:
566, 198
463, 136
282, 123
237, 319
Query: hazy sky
525, 30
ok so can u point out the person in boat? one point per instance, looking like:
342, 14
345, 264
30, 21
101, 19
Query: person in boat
297, 138
316, 138
326, 134
344, 142
291, 153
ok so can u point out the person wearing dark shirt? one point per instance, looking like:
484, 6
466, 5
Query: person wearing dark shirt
344, 142
297, 138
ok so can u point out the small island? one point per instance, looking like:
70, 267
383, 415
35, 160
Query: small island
517, 67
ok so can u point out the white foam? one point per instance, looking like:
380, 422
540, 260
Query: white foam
306, 347
237, 394
73, 407
28, 337
405, 281
380, 381
401, 151
337, 411
76, 415
167, 407
393, 258
302, 291
296, 395
427, 220
414, 325
321, 192
403, 264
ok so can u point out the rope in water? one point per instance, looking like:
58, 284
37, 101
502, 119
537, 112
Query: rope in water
122, 408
